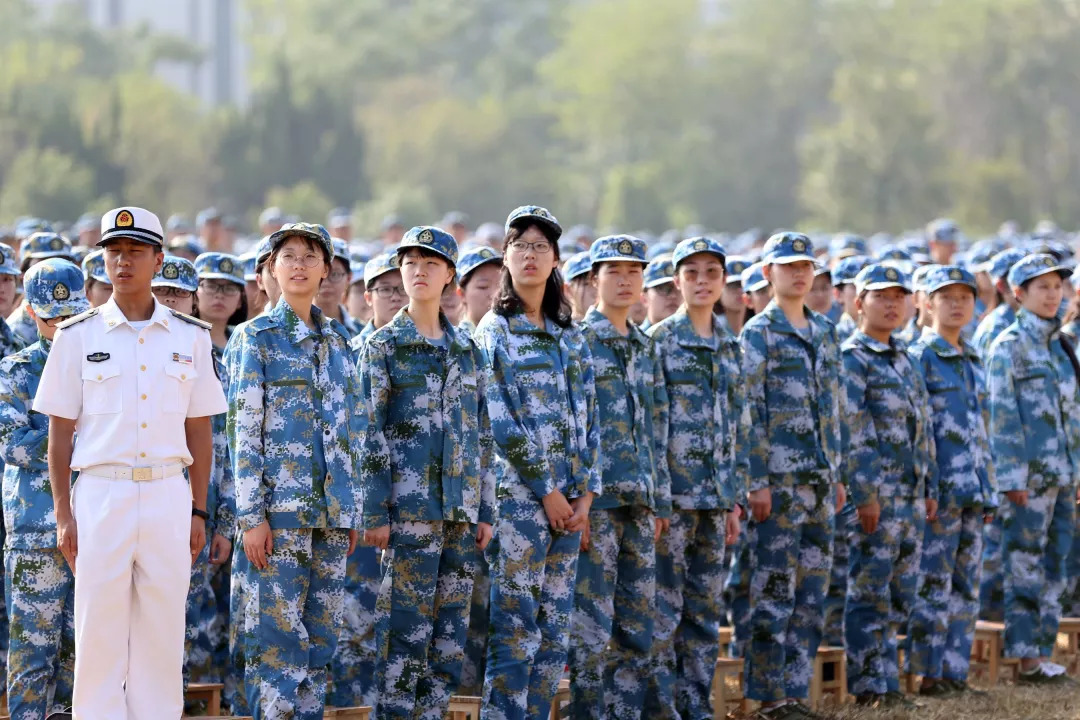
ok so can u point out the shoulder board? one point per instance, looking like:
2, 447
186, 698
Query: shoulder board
194, 321
78, 319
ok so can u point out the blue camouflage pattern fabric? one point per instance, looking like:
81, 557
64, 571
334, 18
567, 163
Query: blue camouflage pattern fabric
39, 588
1035, 440
545, 423
352, 671
836, 595
707, 425
990, 327
795, 396
22, 326
612, 626
427, 473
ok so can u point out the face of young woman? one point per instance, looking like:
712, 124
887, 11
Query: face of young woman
819, 299
425, 277
700, 279
98, 293
480, 291
618, 284
386, 297
883, 310
661, 301
298, 268
1042, 295
356, 302
582, 294
332, 290
952, 307
179, 300
531, 259
790, 280
218, 300
7, 294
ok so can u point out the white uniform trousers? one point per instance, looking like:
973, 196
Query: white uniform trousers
131, 583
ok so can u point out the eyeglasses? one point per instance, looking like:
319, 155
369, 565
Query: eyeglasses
172, 292
227, 289
540, 247
664, 290
389, 291
309, 260
337, 275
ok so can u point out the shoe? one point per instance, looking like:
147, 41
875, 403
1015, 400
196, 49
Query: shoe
1063, 680
940, 689
1038, 676
962, 688
870, 700
807, 713
896, 699
787, 711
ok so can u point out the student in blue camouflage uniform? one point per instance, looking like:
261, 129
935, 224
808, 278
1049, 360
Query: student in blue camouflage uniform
757, 293
791, 372
992, 586
385, 293
1035, 439
843, 280
890, 471
39, 588
33, 249
843, 246
331, 296
428, 482
544, 418
98, 285
734, 311
579, 288
706, 426
478, 281
9, 281
1070, 602
292, 394
611, 629
820, 297
942, 624
660, 296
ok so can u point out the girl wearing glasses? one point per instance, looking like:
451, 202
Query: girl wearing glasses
175, 284
542, 402
334, 288
294, 432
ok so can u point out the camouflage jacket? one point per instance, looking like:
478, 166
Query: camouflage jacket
294, 422
845, 328
22, 327
795, 395
633, 412
707, 417
542, 403
960, 416
991, 326
427, 442
221, 493
890, 450
1034, 410
357, 343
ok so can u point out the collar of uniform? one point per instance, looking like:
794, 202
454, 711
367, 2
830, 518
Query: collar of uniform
520, 325
296, 329
606, 331
405, 332
1040, 328
684, 332
875, 345
114, 317
944, 348
780, 323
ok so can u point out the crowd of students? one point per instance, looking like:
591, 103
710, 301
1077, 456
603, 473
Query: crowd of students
468, 470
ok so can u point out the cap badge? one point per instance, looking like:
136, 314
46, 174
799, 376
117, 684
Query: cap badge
485, 253
954, 274
124, 219
56, 244
799, 245
701, 245
60, 292
170, 272
890, 274
541, 213
426, 237
226, 265
625, 247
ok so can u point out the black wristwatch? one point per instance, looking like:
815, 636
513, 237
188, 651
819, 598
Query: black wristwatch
196, 512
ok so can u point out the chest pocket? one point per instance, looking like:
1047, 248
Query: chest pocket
102, 393
179, 380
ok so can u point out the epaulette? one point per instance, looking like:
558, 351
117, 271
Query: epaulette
194, 321
77, 319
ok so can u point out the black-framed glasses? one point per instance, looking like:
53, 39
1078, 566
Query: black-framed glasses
172, 292
226, 289
540, 247
337, 275
389, 291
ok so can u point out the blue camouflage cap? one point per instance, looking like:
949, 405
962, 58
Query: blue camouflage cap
940, 276
734, 266
54, 288
475, 258
917, 249
341, 249
978, 256
880, 277
311, 231
844, 272
844, 245
1001, 263
942, 230
8, 265
271, 216
892, 252
26, 227
187, 243
45, 245
533, 214
356, 271
918, 278
753, 278
178, 223
247, 264
78, 253
176, 272
577, 265
262, 251
93, 267
219, 266
659, 271
661, 247
380, 265
430, 238
695, 245
618, 248
788, 247
1033, 266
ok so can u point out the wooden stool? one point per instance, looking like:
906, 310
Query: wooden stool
908, 681
463, 707
210, 693
1068, 644
836, 688
986, 651
360, 712
727, 634
561, 700
724, 695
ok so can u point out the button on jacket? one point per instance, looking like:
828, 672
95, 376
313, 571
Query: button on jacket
294, 423
427, 443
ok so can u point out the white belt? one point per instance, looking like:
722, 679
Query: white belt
135, 474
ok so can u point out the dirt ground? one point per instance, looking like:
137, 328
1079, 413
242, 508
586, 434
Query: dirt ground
1003, 703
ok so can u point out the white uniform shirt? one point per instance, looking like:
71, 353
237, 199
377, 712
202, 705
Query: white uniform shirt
129, 391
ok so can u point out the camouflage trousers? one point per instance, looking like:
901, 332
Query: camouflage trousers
422, 616
39, 590
942, 624
611, 629
737, 591
291, 624
686, 642
198, 615
532, 595
476, 641
1070, 601
1036, 543
352, 672
992, 587
836, 597
217, 619
883, 581
791, 558
233, 695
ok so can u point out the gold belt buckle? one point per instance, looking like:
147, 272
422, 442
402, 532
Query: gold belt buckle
142, 474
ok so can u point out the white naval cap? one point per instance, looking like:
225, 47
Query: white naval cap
131, 222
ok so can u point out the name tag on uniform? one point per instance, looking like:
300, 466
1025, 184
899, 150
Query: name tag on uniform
98, 357
185, 359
